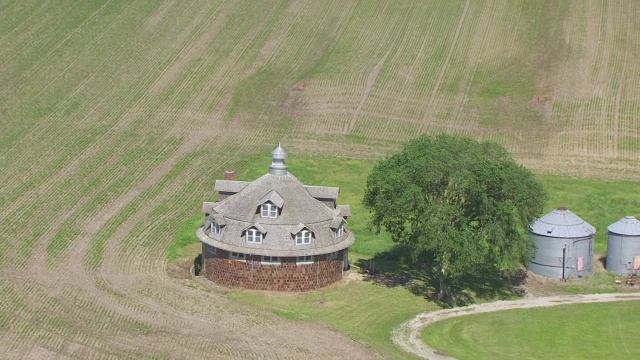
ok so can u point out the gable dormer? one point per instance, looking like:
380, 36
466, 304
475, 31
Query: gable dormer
254, 234
338, 226
226, 188
324, 194
216, 225
302, 235
271, 205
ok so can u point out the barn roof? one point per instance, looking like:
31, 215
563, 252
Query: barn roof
562, 223
628, 226
299, 206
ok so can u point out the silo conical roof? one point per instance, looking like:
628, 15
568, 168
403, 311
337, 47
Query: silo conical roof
629, 226
562, 223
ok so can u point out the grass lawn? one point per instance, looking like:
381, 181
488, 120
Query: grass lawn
362, 310
586, 331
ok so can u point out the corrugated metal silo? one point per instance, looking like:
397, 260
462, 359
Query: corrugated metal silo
623, 246
564, 245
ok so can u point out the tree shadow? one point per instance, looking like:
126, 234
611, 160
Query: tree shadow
487, 283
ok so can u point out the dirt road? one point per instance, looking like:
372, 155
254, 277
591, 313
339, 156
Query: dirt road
407, 335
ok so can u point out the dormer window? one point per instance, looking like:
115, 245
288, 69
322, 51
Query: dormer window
337, 225
303, 237
217, 223
215, 228
272, 202
269, 210
253, 236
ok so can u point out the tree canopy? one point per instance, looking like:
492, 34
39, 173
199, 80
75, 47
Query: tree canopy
456, 205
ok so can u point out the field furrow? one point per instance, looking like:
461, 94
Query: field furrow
118, 116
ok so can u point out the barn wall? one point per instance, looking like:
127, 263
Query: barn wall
287, 276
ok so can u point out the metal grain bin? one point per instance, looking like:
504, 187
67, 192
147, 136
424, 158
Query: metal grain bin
623, 246
564, 245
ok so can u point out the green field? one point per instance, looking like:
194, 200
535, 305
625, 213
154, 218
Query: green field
362, 310
116, 117
586, 331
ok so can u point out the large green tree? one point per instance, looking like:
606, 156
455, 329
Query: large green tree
455, 205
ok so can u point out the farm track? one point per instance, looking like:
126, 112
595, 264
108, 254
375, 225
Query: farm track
117, 117
408, 335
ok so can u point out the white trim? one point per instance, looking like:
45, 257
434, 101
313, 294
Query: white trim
339, 231
269, 210
253, 236
214, 229
303, 237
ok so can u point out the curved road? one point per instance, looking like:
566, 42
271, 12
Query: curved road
407, 336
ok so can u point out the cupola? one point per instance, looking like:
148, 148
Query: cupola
278, 167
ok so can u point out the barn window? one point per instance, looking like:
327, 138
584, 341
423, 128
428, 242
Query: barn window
272, 260
253, 236
268, 210
303, 237
339, 231
304, 259
215, 228
236, 256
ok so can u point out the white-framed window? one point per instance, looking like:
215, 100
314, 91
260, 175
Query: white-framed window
215, 228
268, 210
272, 260
303, 237
253, 236
304, 259
236, 256
332, 256
339, 231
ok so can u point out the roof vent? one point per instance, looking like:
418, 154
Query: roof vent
278, 156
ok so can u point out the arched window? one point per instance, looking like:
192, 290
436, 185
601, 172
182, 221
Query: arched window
254, 236
303, 237
268, 210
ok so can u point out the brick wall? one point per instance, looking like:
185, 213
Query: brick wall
287, 276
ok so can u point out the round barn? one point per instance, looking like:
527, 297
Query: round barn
623, 246
275, 233
564, 245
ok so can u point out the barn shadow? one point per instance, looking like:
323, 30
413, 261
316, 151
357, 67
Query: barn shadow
197, 265
488, 283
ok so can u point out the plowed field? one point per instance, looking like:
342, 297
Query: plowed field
116, 117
